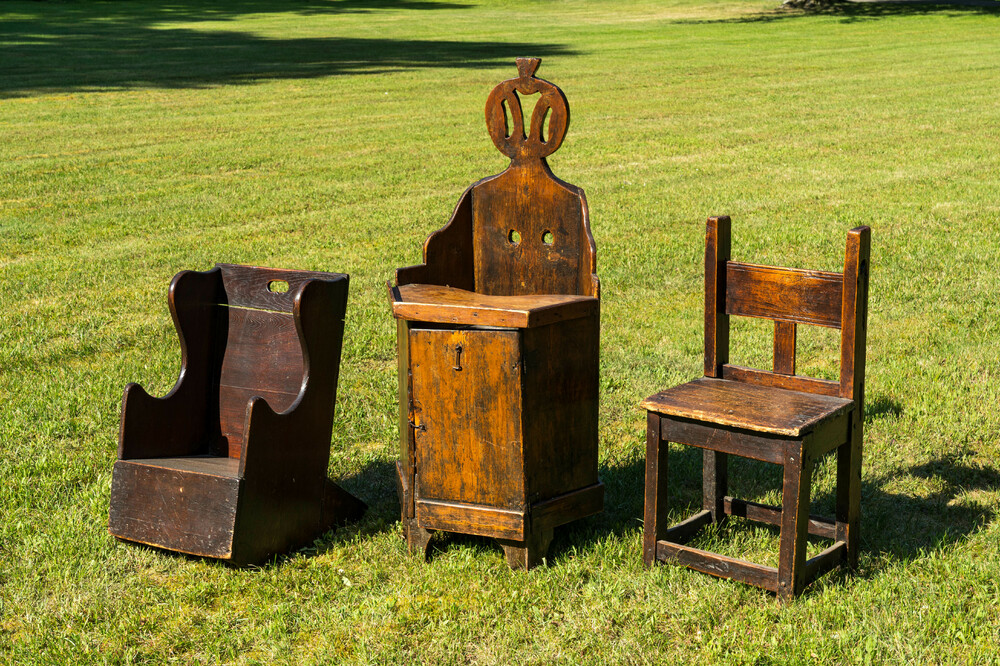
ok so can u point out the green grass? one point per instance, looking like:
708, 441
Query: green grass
143, 138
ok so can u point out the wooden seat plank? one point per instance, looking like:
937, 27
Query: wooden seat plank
750, 406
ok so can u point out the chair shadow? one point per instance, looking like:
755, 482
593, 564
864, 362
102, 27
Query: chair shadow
81, 47
853, 11
895, 525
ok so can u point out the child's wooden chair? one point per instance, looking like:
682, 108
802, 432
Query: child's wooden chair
498, 348
231, 463
778, 417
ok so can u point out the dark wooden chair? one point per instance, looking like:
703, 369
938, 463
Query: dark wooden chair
778, 417
498, 348
231, 463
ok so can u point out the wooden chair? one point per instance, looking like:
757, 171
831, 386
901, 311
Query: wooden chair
498, 348
231, 463
778, 417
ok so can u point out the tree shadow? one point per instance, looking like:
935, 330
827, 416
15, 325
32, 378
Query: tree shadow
853, 11
64, 47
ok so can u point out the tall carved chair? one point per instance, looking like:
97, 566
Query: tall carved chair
778, 417
498, 348
231, 464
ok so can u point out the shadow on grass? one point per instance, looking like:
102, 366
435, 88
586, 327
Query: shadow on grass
63, 47
894, 525
852, 12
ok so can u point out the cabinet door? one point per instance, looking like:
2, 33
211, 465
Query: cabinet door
467, 409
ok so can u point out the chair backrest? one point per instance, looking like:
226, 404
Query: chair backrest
789, 297
262, 353
530, 230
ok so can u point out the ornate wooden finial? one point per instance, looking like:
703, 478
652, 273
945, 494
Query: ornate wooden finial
527, 67
513, 141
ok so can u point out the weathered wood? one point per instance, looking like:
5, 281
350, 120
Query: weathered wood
686, 529
256, 386
719, 565
714, 482
738, 373
447, 305
717, 253
740, 405
654, 526
784, 347
527, 553
499, 333
776, 417
762, 513
481, 520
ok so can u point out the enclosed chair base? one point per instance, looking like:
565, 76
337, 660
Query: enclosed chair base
212, 469
777, 417
498, 340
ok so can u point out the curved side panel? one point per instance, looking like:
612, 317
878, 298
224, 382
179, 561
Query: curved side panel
178, 424
286, 454
447, 251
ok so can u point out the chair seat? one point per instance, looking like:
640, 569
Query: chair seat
448, 305
748, 406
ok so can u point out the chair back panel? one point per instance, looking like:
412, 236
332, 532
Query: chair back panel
789, 297
785, 294
530, 235
262, 356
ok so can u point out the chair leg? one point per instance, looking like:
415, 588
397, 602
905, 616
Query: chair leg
528, 553
849, 492
654, 525
417, 538
794, 523
714, 483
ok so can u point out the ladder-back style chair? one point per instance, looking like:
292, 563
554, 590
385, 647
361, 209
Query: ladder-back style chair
231, 464
498, 348
777, 417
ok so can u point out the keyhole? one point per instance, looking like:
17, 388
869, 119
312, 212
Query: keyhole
458, 358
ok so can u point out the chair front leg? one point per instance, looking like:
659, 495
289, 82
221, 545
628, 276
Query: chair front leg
794, 521
654, 525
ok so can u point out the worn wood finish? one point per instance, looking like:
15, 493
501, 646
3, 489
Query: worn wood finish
777, 416
232, 462
447, 305
786, 294
750, 406
498, 340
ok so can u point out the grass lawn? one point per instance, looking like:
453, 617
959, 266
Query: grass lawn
139, 138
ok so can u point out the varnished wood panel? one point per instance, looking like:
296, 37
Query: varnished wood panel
560, 407
466, 400
263, 356
447, 305
475, 519
789, 294
741, 405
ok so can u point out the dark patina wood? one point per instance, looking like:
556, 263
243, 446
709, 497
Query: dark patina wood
232, 462
498, 334
774, 416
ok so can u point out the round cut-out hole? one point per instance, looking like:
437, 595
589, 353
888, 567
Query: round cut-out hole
514, 237
277, 286
547, 237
